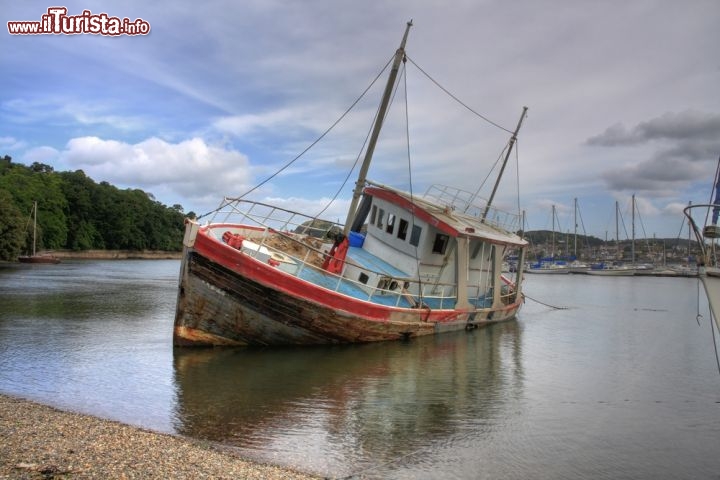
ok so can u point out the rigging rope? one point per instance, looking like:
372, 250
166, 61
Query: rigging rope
517, 178
357, 159
412, 197
362, 148
712, 330
457, 99
699, 315
288, 164
482, 184
710, 200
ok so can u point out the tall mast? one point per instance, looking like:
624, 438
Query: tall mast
513, 139
575, 242
689, 233
633, 229
34, 226
553, 237
360, 184
617, 227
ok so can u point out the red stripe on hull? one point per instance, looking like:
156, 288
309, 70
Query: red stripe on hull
229, 298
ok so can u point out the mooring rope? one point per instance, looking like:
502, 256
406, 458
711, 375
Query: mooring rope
543, 303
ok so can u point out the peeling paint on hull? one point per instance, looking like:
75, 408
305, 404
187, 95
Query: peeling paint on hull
218, 306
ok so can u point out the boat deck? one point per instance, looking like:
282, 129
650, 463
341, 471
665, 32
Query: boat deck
303, 267
371, 262
367, 260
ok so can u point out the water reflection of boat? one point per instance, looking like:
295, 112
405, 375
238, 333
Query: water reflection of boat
259, 274
356, 404
707, 237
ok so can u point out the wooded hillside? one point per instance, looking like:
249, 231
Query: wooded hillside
75, 213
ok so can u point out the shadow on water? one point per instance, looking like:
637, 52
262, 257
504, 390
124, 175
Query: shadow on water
359, 408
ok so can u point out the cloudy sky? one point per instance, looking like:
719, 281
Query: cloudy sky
623, 99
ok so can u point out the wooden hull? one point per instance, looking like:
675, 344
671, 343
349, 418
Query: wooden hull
228, 298
38, 259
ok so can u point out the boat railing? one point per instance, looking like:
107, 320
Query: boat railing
473, 205
709, 232
237, 210
274, 222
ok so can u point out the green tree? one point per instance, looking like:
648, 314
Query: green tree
12, 233
76, 213
83, 233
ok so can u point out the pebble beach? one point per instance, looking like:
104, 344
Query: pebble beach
41, 442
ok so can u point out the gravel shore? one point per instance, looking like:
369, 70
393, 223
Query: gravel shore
40, 442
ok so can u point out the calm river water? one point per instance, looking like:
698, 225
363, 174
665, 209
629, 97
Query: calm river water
621, 384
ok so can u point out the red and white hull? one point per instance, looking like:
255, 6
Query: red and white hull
227, 297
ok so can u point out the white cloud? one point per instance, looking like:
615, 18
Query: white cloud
40, 155
191, 169
11, 143
70, 110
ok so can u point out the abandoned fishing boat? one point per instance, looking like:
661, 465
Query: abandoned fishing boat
401, 266
35, 257
707, 237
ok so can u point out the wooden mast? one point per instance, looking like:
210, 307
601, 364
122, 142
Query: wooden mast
513, 139
34, 226
617, 229
362, 175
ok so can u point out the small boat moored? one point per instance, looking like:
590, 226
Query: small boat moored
35, 257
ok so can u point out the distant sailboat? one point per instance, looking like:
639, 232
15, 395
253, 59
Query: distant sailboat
550, 265
614, 268
35, 258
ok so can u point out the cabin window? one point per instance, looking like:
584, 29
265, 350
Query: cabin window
476, 250
387, 283
390, 223
380, 219
402, 229
415, 236
440, 243
373, 215
363, 278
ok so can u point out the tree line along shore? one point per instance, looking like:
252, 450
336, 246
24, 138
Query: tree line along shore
77, 215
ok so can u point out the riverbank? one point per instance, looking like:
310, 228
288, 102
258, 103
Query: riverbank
41, 442
116, 254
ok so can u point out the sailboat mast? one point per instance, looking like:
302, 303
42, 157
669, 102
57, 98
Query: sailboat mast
513, 139
575, 238
617, 228
34, 226
553, 232
362, 175
689, 232
633, 229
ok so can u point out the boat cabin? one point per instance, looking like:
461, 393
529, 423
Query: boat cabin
452, 253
